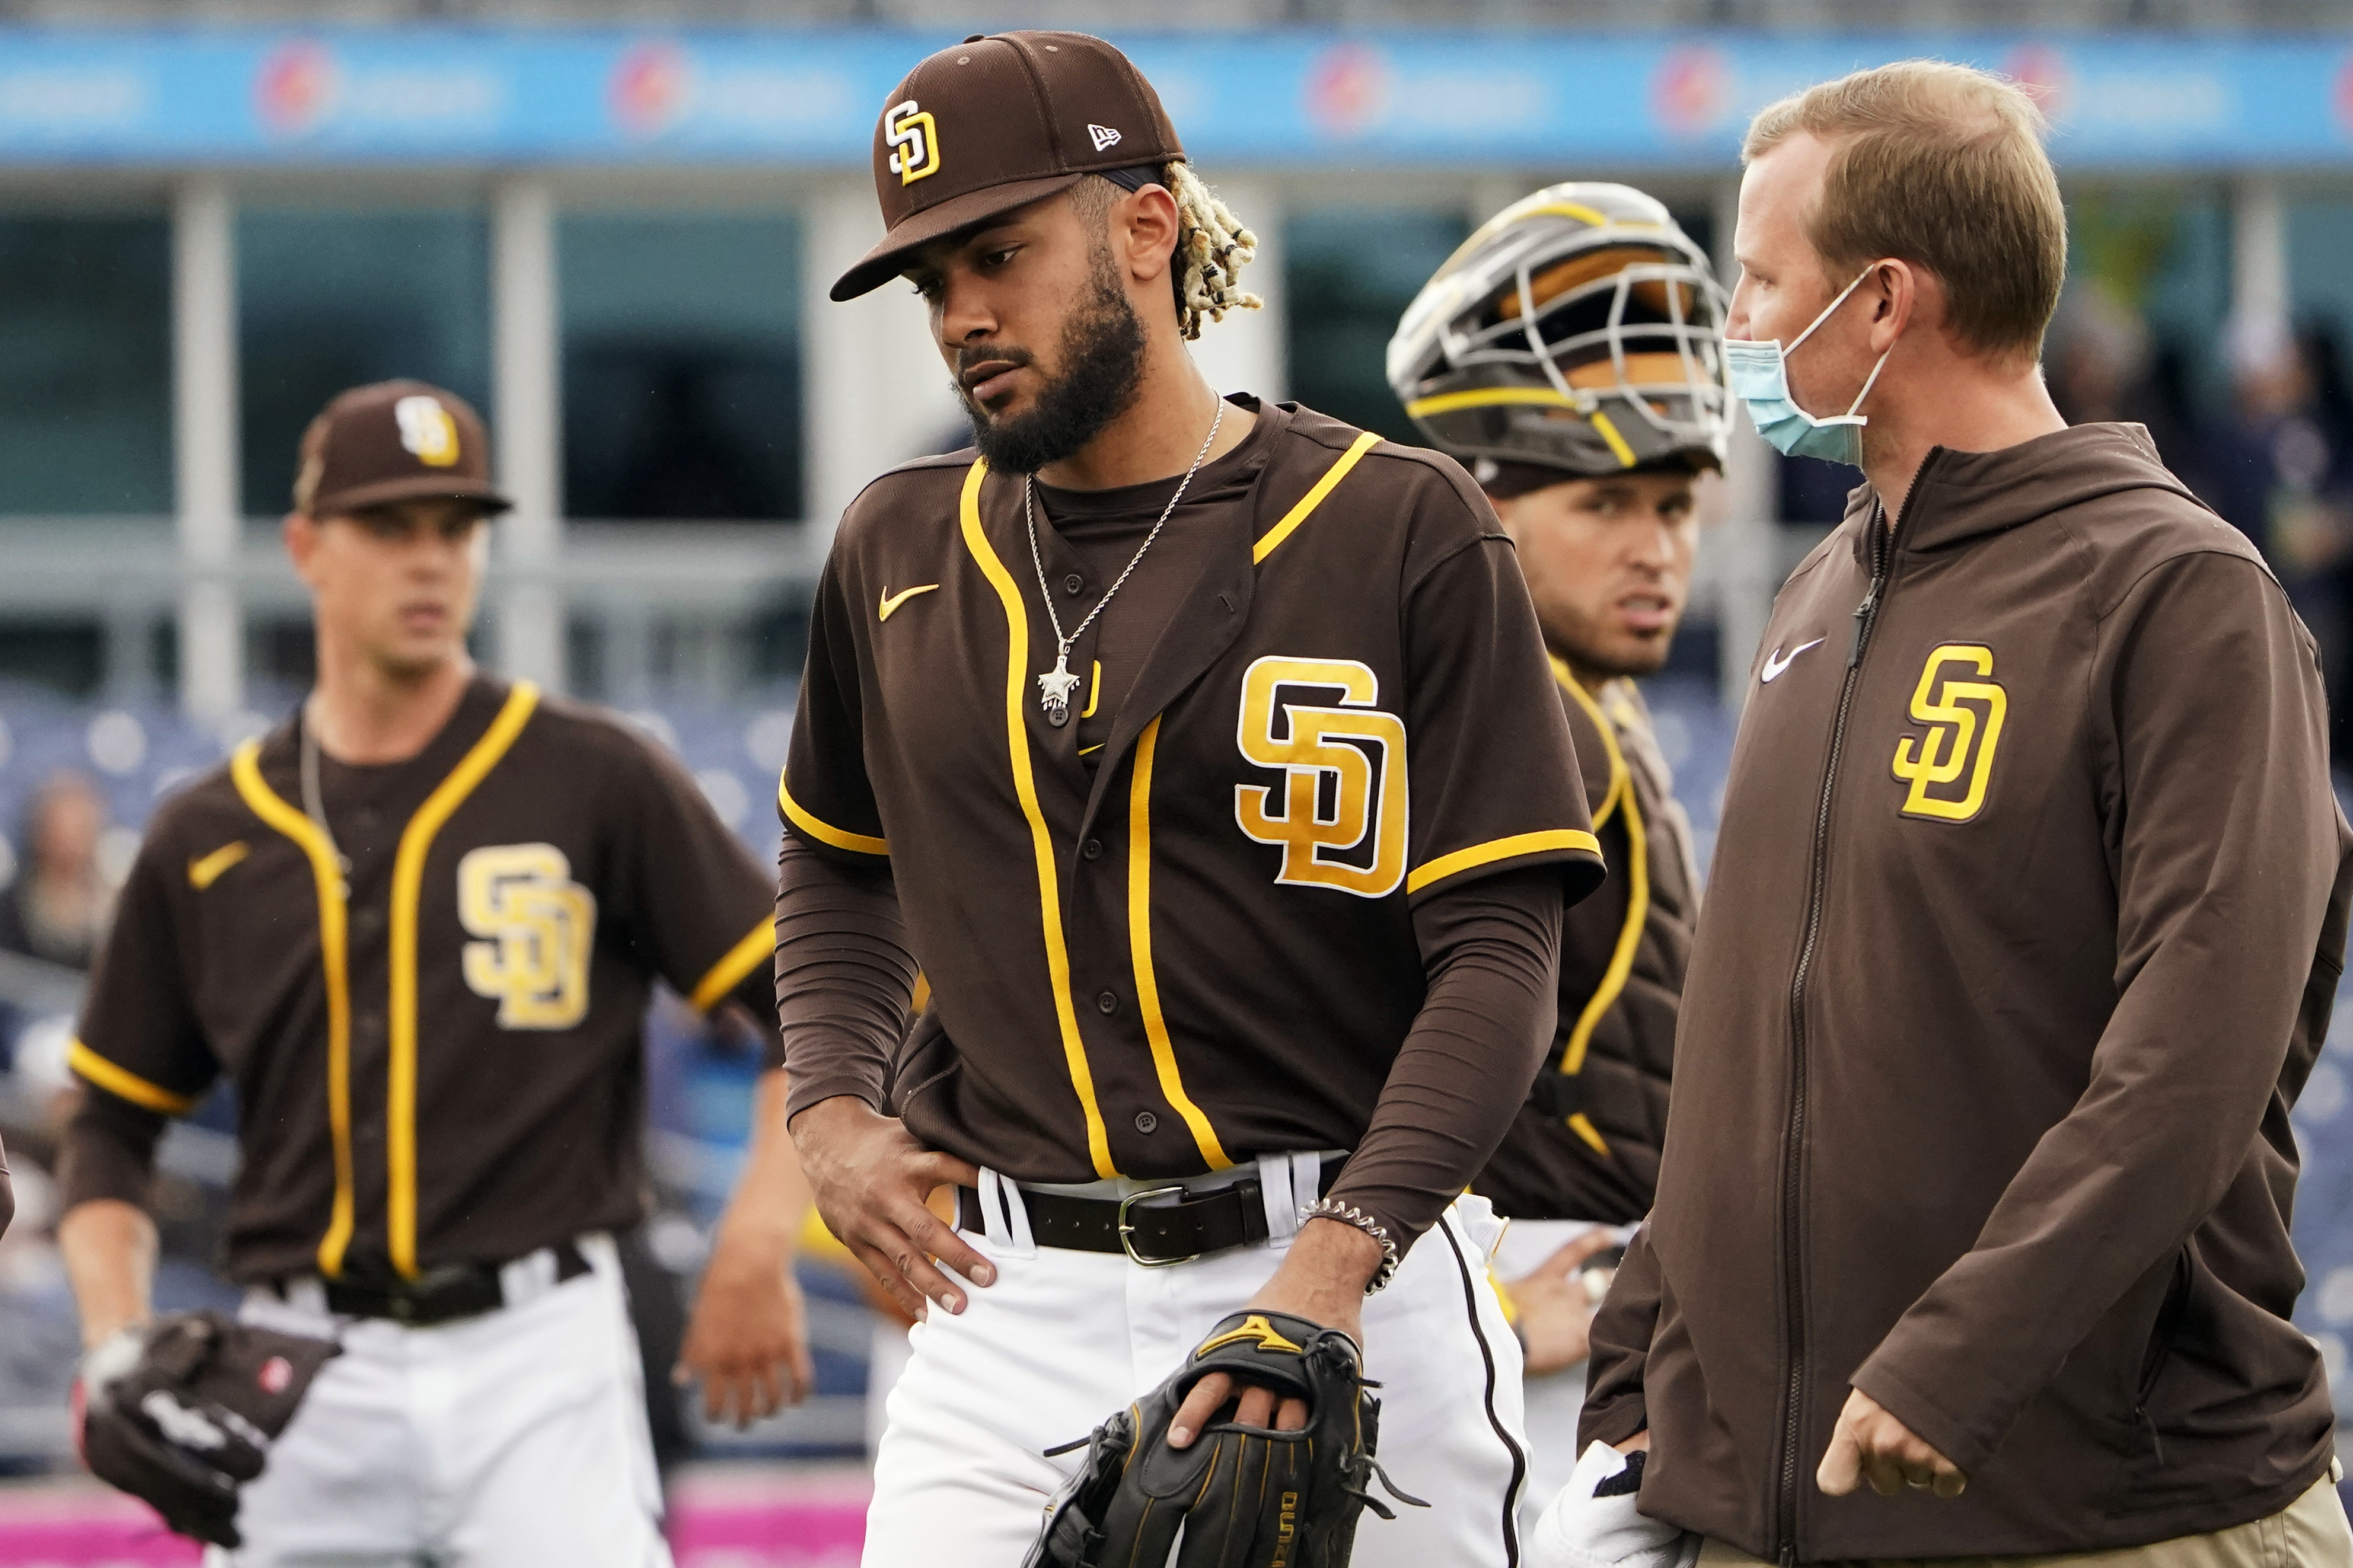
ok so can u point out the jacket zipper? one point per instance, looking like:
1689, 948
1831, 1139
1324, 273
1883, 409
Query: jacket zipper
1882, 557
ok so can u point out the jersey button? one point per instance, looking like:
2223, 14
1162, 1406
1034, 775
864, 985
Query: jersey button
1108, 1002
1092, 849
1146, 1121
1075, 584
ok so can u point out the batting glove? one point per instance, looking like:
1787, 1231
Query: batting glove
1593, 1524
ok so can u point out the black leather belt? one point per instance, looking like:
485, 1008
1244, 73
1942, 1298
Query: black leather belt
440, 1295
1145, 1224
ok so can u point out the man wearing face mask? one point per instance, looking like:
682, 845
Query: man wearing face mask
2022, 932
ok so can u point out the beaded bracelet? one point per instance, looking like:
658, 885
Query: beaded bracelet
1346, 1213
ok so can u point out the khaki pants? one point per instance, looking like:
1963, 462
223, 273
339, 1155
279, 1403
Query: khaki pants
2310, 1532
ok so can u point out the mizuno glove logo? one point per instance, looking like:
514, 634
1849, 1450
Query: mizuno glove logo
1252, 1328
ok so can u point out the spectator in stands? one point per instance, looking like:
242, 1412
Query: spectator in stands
61, 901
2280, 466
2104, 365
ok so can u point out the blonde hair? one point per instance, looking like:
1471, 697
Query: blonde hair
1941, 166
1213, 248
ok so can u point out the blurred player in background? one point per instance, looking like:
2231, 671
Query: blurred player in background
1568, 354
58, 906
416, 926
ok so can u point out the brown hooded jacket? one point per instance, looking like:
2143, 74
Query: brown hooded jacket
2025, 922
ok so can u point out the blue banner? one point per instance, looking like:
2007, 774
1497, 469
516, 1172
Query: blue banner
1287, 98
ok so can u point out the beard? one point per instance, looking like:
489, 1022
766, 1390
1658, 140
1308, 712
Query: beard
1589, 648
1102, 370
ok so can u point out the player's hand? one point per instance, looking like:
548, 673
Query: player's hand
1322, 1279
747, 1339
1555, 1306
870, 1178
1871, 1444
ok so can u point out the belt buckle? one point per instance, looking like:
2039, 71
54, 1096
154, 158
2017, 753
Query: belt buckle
1127, 1231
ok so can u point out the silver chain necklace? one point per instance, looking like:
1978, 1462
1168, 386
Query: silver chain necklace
1054, 689
314, 801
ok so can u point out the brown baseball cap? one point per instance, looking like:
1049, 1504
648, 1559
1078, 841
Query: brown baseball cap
997, 122
394, 441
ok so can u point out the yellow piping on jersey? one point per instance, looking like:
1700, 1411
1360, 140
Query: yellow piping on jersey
1024, 785
408, 891
327, 871
1139, 940
825, 832
1620, 779
1495, 849
729, 972
1638, 900
1094, 695
204, 870
1314, 498
124, 1084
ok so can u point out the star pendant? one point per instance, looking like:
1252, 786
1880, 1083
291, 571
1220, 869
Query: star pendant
1054, 690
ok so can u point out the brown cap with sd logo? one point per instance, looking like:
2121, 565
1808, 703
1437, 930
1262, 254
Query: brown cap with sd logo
998, 123
392, 441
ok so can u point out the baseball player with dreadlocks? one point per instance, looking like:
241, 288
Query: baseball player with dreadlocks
1570, 354
1205, 750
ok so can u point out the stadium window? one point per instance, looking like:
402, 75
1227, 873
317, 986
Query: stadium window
1348, 275
85, 364
2320, 290
330, 300
681, 365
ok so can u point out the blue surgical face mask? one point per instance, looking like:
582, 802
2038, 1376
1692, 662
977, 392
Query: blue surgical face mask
1759, 374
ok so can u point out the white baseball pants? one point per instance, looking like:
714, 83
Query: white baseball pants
518, 1436
1064, 1338
1555, 1400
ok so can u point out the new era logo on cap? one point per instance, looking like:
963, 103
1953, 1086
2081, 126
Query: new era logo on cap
1104, 136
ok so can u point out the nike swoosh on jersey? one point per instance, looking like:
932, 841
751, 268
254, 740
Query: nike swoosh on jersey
1776, 662
893, 601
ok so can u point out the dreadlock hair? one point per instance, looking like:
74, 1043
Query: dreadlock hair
1212, 245
1215, 246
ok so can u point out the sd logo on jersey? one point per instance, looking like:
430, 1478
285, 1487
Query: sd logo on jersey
1344, 767
537, 925
1964, 717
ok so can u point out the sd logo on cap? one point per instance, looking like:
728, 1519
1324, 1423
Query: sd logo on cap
396, 440
998, 123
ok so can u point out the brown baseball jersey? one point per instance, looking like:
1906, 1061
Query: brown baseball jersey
1586, 1146
1196, 944
436, 1051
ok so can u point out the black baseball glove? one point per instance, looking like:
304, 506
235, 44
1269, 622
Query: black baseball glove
1240, 1497
182, 1412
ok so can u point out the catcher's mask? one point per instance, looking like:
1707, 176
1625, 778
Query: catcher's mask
1579, 330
